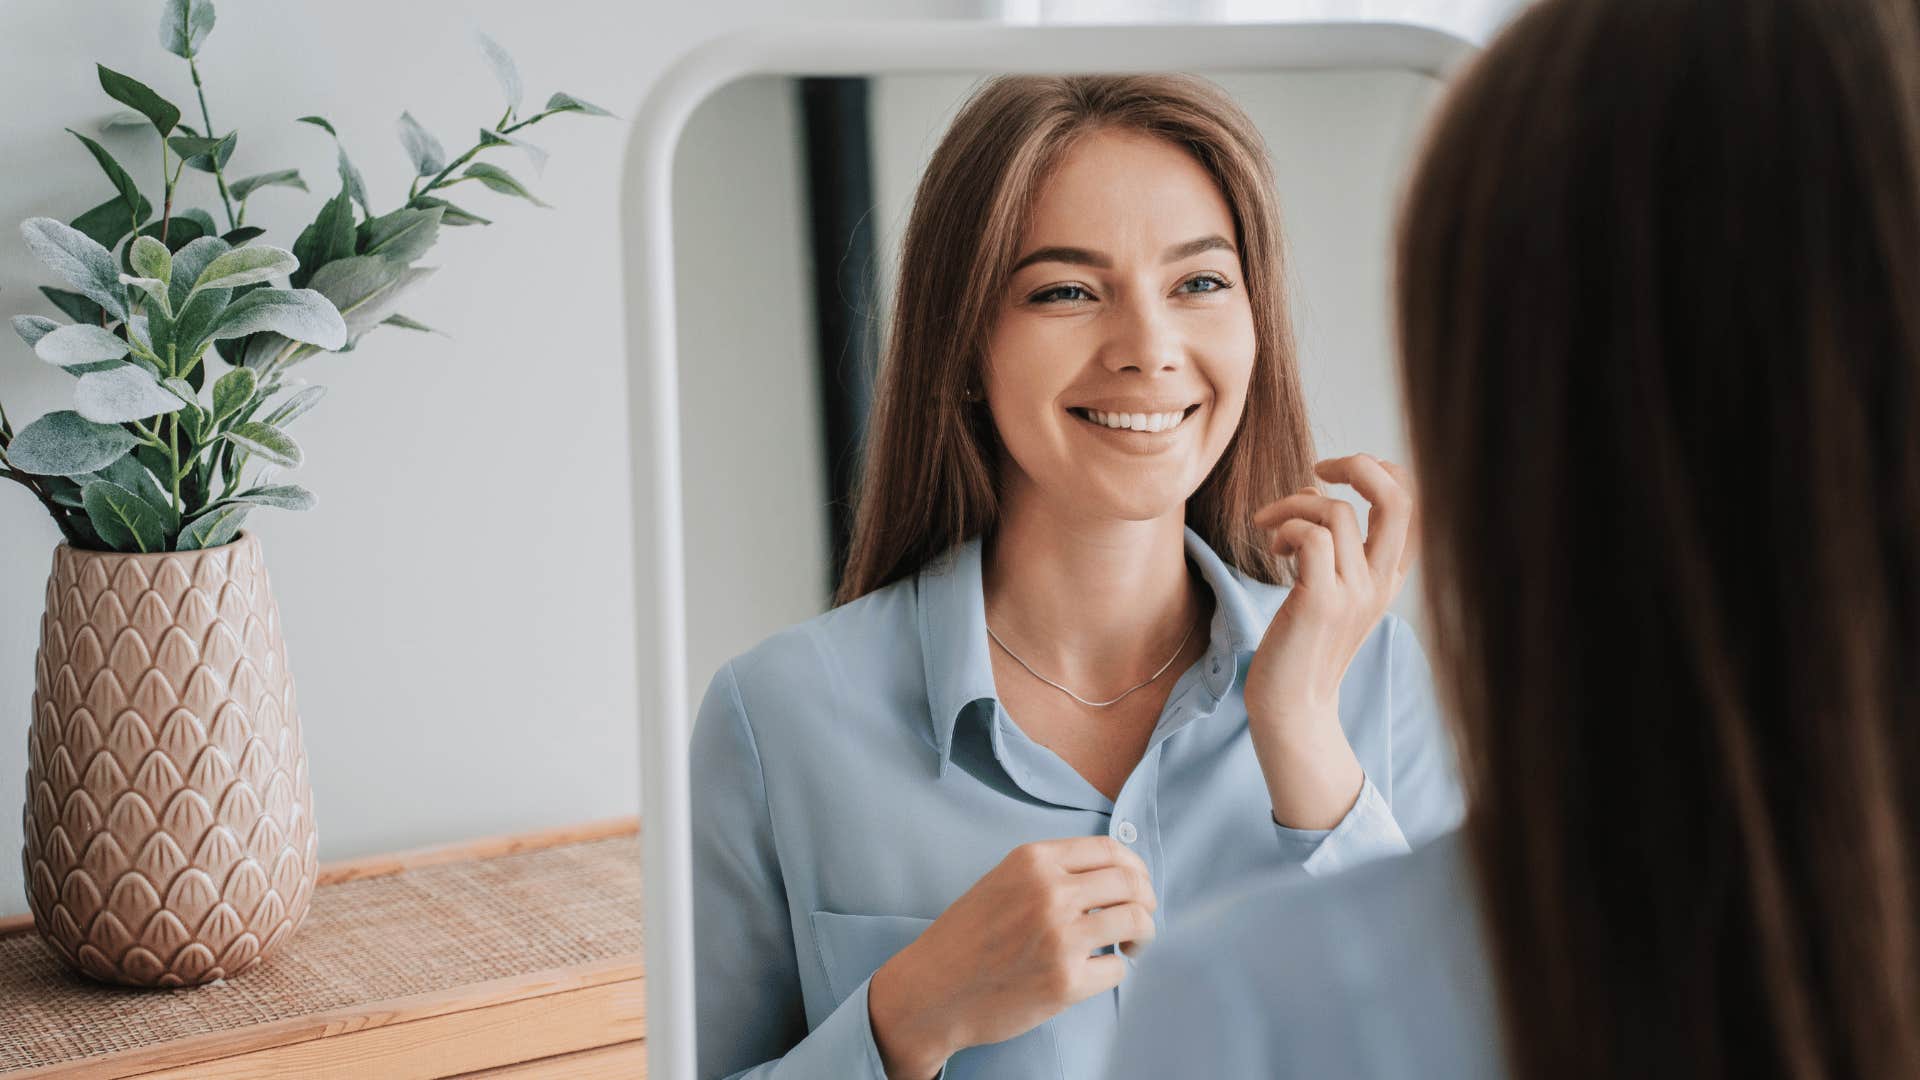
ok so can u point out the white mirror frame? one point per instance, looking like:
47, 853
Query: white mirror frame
653, 374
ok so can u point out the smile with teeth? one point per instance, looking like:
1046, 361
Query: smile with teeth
1147, 422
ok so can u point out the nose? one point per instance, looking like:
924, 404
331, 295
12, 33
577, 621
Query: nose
1142, 339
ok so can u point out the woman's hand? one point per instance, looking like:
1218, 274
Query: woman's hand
1342, 588
1013, 951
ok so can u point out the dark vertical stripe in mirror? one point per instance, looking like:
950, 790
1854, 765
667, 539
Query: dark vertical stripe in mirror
840, 201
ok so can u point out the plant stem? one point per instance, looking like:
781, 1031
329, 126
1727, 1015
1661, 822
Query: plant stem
218, 178
173, 454
166, 184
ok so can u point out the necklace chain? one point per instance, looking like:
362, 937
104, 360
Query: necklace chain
1182, 647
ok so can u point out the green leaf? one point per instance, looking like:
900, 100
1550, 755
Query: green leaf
283, 178
232, 392
67, 444
108, 223
569, 103
180, 232
215, 526
367, 288
129, 191
32, 328
269, 442
500, 180
403, 235
189, 262
86, 265
80, 343
198, 217
139, 97
193, 419
330, 237
535, 155
280, 497
122, 395
184, 25
197, 320
123, 519
155, 289
300, 314
504, 69
151, 259
454, 215
407, 324
74, 306
422, 147
244, 266
296, 406
243, 234
130, 474
202, 153
356, 183
320, 122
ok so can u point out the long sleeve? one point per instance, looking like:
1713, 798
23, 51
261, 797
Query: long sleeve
750, 1015
1421, 797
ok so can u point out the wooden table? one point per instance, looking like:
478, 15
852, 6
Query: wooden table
517, 956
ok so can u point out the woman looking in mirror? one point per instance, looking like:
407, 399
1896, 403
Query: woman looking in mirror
1065, 697
1658, 281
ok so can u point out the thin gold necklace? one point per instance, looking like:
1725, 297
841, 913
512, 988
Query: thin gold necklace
1182, 647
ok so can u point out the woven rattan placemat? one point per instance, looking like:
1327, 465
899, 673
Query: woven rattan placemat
373, 939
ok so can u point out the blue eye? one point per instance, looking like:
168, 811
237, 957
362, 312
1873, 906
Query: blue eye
1214, 282
1053, 295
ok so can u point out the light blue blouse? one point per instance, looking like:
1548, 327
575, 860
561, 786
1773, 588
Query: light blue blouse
1381, 974
855, 774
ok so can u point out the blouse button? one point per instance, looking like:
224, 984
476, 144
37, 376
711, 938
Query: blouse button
1126, 833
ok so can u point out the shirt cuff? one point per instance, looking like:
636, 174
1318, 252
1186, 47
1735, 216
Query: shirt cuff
1368, 832
842, 1047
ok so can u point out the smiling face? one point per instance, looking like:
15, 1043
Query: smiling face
1118, 365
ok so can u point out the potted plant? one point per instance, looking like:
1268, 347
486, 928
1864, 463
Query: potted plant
169, 822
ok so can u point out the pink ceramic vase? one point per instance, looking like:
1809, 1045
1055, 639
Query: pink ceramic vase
169, 820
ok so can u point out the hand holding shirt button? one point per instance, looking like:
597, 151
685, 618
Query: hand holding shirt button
1013, 951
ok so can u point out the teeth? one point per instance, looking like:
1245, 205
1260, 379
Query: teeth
1149, 422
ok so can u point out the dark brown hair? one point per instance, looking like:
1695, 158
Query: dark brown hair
1659, 308
929, 476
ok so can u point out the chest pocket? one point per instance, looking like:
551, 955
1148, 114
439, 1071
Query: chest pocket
852, 947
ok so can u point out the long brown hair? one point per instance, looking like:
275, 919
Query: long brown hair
1659, 308
930, 458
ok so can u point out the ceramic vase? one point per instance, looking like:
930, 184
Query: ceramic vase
169, 820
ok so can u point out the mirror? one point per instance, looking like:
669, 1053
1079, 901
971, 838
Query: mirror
787, 188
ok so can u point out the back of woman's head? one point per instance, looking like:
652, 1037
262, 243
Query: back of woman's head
1660, 316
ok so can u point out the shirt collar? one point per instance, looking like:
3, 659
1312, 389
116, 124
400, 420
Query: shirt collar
953, 628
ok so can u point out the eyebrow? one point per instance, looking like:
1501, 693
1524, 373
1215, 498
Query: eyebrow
1084, 257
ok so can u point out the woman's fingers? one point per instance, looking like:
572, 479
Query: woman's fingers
1111, 885
1078, 854
1389, 523
1333, 515
1119, 924
1404, 477
1311, 546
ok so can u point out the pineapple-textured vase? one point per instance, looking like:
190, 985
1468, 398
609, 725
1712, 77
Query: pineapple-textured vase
169, 820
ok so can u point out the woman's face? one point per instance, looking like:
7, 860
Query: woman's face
1118, 366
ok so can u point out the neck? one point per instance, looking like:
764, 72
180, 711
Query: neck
1090, 602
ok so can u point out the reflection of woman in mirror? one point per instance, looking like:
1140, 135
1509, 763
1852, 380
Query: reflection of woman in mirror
1660, 314
1066, 697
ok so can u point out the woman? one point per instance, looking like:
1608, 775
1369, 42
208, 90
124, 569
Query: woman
1063, 699
1661, 346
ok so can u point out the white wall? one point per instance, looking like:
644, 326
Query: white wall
459, 607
